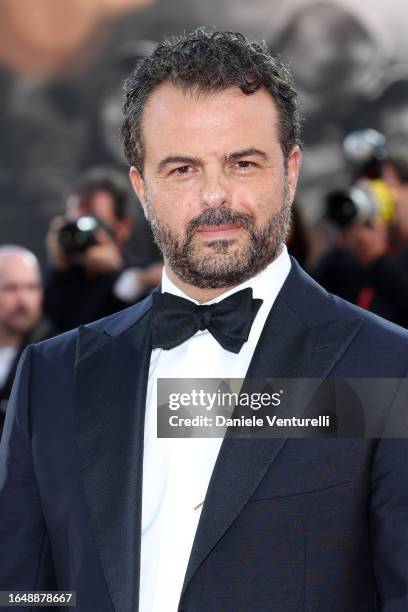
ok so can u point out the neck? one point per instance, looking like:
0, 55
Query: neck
9, 338
196, 293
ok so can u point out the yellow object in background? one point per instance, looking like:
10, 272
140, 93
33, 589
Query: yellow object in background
385, 198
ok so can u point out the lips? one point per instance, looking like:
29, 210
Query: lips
219, 230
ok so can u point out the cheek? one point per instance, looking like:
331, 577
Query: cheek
6, 304
34, 303
261, 202
174, 207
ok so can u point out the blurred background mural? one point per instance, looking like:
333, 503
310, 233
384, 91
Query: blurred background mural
62, 64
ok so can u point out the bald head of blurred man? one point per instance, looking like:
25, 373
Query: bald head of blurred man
21, 294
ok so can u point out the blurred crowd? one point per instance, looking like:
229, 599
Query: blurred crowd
357, 250
366, 261
89, 274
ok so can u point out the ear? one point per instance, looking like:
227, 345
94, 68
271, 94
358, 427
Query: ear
293, 163
137, 182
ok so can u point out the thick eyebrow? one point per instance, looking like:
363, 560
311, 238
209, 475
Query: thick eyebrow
194, 161
177, 159
235, 155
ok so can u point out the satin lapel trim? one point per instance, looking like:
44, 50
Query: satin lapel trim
111, 376
287, 348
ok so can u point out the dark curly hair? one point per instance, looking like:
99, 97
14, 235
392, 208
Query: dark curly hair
209, 62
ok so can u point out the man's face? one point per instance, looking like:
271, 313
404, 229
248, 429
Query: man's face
100, 204
20, 293
214, 186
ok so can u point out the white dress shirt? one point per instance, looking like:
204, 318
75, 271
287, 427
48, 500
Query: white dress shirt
7, 356
176, 472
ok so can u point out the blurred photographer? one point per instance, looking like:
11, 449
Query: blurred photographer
90, 273
368, 264
20, 313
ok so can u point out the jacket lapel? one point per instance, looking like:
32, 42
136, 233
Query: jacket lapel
111, 376
290, 346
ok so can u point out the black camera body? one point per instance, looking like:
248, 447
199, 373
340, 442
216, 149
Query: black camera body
77, 236
346, 207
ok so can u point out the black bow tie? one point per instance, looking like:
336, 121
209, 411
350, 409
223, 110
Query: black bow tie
175, 319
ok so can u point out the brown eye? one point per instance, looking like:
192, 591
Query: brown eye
244, 164
182, 170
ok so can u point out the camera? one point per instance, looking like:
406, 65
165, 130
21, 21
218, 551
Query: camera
345, 207
77, 236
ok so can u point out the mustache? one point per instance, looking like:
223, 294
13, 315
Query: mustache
20, 310
218, 216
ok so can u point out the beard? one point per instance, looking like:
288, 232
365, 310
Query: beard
222, 262
21, 320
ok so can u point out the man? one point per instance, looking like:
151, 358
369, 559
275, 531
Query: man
20, 313
97, 280
133, 522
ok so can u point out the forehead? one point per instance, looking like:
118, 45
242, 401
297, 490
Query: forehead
18, 267
230, 119
98, 202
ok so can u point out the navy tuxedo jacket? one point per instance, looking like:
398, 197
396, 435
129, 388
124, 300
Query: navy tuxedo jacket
311, 525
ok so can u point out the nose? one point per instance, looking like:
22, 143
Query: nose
214, 190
